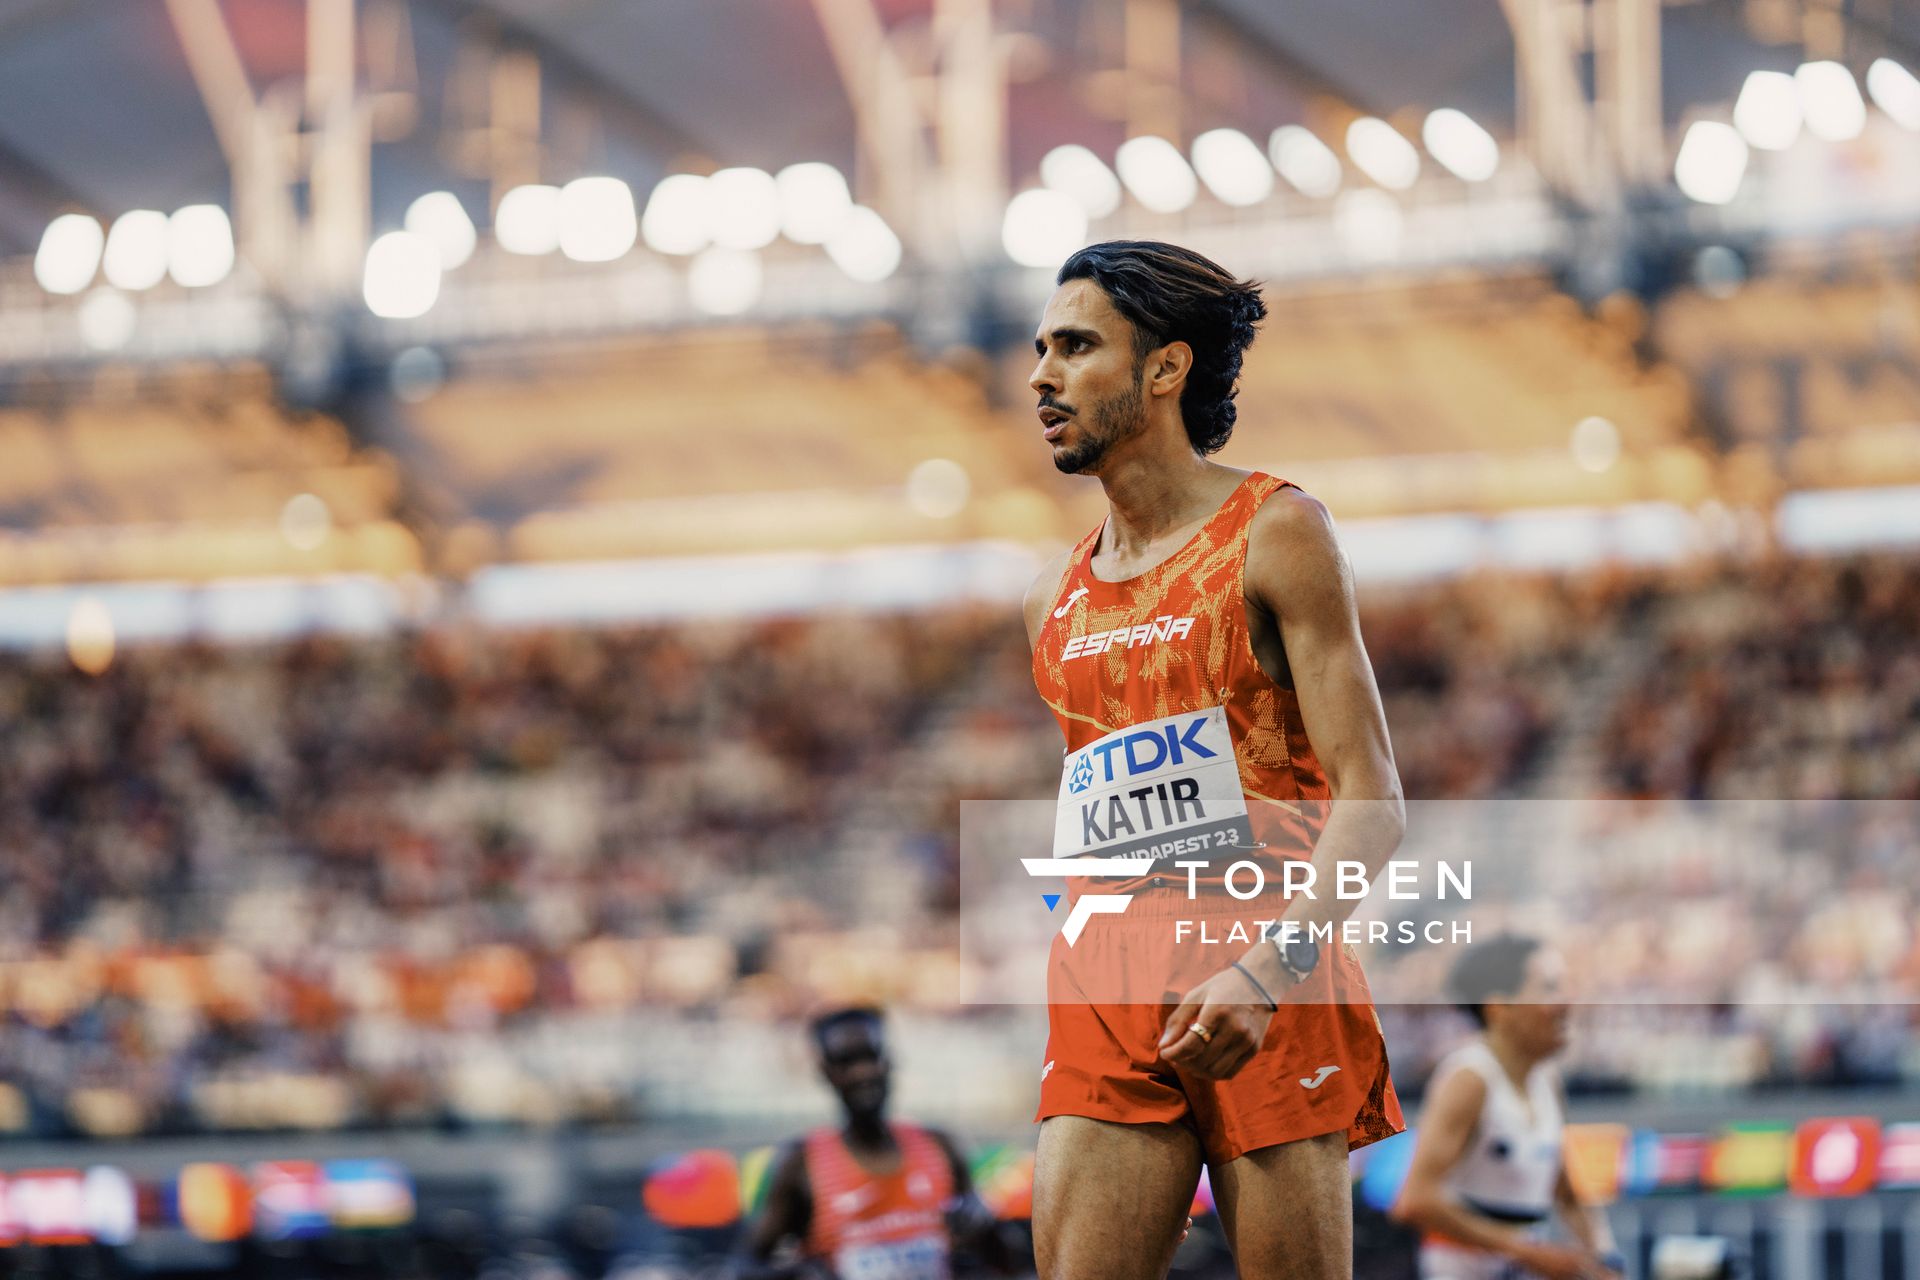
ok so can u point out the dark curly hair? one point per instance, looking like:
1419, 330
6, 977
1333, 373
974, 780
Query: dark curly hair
822, 1025
1491, 969
1170, 294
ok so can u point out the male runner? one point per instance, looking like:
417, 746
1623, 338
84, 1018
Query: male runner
1488, 1168
872, 1199
1212, 612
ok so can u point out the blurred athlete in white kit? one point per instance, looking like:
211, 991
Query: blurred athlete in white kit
1489, 1172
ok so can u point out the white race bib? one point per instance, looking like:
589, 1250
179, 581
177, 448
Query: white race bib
1163, 790
921, 1259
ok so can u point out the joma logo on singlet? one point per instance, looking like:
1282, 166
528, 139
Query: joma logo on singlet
1164, 627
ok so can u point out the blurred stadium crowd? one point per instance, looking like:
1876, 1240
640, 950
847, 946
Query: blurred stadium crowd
470, 877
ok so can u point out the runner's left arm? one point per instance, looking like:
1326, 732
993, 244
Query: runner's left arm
1297, 576
1584, 1222
968, 1218
784, 1218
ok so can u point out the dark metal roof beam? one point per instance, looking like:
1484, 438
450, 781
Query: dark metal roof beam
1283, 63
637, 119
31, 187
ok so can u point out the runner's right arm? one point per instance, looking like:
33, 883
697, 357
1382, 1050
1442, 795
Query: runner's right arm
1447, 1123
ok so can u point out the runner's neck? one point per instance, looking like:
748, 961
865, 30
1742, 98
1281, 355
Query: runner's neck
1149, 499
869, 1135
1515, 1064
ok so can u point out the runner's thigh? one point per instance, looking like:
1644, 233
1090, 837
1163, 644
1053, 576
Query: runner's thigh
1288, 1210
1109, 1199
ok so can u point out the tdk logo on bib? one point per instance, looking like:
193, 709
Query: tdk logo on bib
1141, 751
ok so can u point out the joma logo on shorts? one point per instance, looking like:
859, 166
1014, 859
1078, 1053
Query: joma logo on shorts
1164, 627
1318, 1078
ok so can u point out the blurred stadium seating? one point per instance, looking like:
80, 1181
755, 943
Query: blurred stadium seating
347, 882
714, 442
185, 473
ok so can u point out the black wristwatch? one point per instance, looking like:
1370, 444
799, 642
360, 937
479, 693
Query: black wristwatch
1298, 956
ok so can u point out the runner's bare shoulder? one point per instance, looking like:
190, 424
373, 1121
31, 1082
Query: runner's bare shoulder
1046, 586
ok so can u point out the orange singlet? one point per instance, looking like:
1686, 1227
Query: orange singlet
1181, 748
880, 1227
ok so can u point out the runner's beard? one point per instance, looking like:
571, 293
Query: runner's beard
1119, 417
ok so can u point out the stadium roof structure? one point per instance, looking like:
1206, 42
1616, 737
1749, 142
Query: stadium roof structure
100, 110
402, 230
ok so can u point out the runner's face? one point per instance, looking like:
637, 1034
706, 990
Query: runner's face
1088, 378
853, 1058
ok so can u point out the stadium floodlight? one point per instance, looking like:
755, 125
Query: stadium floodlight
199, 245
1382, 153
402, 278
528, 220
69, 253
1369, 222
1767, 113
441, 218
1718, 271
107, 320
417, 374
1595, 445
1076, 172
306, 521
865, 247
1042, 227
746, 208
814, 201
1156, 173
1457, 141
939, 488
679, 218
90, 635
1895, 91
1305, 161
1830, 101
724, 282
597, 222
1231, 165
1711, 163
136, 256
